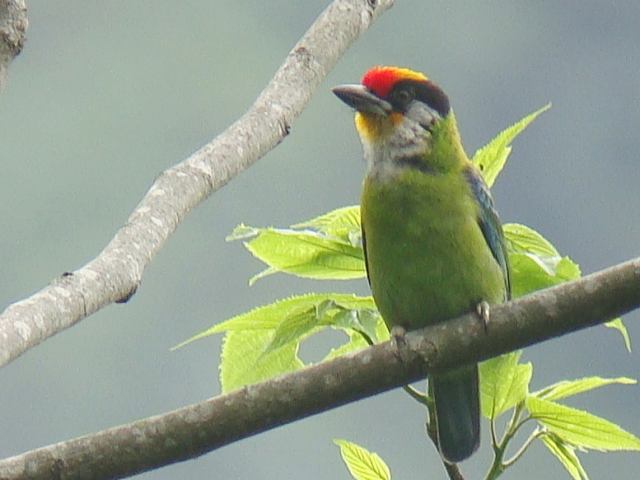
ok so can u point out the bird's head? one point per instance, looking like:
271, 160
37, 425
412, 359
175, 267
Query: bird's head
401, 116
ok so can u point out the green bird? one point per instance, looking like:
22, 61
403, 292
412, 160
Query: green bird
433, 243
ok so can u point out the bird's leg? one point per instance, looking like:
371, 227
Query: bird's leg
484, 312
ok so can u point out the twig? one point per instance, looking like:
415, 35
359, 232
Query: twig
537, 432
417, 395
500, 446
115, 274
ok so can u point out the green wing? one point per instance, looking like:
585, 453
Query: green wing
364, 249
490, 223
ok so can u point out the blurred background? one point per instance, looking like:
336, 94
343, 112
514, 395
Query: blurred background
106, 95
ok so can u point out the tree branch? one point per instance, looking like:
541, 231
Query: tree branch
116, 273
199, 428
13, 26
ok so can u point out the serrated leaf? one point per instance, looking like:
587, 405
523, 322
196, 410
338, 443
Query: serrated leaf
357, 342
568, 388
243, 363
365, 321
306, 254
269, 317
567, 270
343, 223
324, 307
241, 232
523, 239
620, 327
536, 264
566, 454
534, 261
580, 428
293, 328
503, 383
264, 273
491, 158
362, 464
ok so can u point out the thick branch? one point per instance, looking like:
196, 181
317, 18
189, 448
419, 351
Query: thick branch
116, 273
200, 428
13, 26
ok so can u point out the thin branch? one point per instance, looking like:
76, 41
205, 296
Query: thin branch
513, 426
537, 432
199, 428
494, 436
116, 273
417, 395
499, 447
13, 27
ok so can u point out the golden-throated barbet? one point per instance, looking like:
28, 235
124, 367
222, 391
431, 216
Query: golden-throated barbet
433, 243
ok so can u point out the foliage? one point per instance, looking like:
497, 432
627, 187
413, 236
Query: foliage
362, 464
264, 342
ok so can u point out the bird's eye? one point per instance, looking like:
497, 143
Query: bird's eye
403, 97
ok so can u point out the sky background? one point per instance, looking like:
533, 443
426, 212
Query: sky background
106, 95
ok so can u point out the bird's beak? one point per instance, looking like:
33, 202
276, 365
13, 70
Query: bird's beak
360, 98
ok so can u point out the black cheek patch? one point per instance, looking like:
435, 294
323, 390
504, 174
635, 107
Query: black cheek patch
430, 94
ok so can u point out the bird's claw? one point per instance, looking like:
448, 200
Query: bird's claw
399, 341
483, 310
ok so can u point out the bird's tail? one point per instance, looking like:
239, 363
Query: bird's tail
457, 403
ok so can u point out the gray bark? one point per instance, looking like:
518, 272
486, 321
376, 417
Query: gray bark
13, 27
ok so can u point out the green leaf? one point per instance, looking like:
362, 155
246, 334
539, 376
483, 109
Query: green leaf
528, 274
362, 464
269, 317
293, 328
523, 239
241, 232
580, 428
264, 343
356, 340
491, 158
325, 247
620, 327
343, 223
503, 383
534, 262
568, 388
244, 363
306, 254
330, 312
364, 321
566, 454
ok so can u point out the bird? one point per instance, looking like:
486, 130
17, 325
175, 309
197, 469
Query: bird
433, 243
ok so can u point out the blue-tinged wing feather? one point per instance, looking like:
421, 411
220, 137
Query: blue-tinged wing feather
490, 223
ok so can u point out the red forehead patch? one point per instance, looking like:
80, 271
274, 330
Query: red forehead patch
380, 80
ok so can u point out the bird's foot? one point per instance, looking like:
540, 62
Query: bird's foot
483, 310
399, 341
398, 334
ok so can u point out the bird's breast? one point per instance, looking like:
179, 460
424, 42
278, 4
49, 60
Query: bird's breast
426, 256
